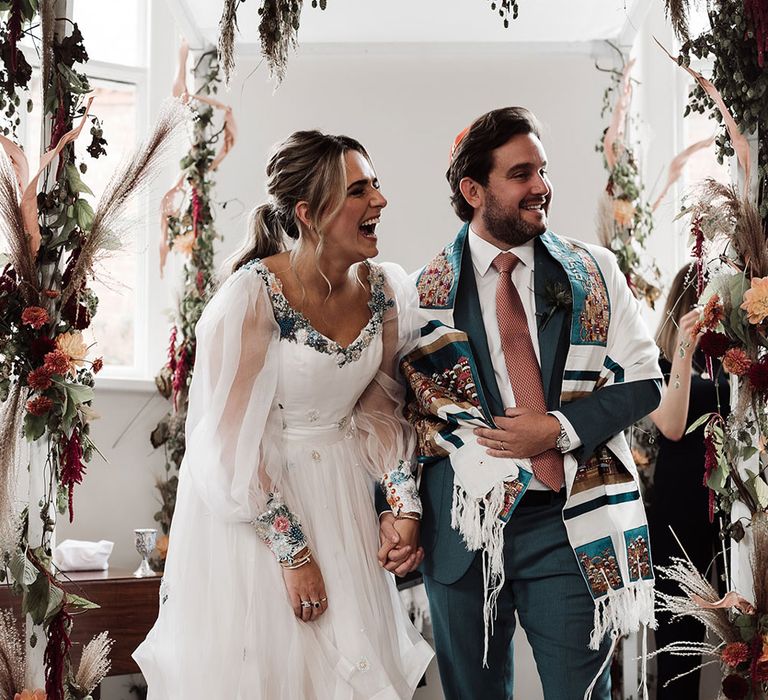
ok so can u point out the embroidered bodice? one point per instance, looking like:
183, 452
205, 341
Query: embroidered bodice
319, 380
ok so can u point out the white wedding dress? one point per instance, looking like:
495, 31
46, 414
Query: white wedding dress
276, 405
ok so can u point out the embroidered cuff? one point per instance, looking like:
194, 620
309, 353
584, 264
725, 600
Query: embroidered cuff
400, 489
281, 530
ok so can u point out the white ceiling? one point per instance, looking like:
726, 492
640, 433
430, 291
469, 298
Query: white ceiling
430, 21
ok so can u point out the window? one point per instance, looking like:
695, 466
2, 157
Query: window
117, 74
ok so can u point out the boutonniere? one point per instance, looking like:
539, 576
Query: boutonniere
556, 296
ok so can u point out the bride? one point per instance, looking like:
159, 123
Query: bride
272, 588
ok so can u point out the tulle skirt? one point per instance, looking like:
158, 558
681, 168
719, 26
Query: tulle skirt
226, 628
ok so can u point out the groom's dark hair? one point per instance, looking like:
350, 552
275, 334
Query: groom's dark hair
473, 154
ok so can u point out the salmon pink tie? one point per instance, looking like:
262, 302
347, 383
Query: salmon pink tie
522, 365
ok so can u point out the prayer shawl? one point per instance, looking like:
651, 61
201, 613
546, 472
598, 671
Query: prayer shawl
603, 515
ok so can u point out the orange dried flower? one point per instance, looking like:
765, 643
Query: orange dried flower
185, 243
735, 361
38, 694
34, 316
74, 347
713, 312
52, 293
756, 300
623, 212
39, 406
39, 379
162, 546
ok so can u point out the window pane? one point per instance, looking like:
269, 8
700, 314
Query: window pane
113, 327
111, 40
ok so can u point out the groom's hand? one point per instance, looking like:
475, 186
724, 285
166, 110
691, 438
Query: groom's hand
521, 433
399, 551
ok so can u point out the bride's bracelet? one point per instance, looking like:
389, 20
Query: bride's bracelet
400, 490
281, 531
299, 561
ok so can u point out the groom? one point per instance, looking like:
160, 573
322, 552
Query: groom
533, 359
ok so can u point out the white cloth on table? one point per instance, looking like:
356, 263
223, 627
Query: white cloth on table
81, 555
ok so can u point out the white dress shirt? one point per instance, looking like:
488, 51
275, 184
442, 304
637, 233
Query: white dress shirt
486, 279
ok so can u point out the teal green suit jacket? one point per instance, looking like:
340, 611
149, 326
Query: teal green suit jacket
595, 418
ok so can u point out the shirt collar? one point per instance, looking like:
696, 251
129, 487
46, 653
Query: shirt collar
484, 253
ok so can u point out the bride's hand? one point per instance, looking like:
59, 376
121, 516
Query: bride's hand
306, 585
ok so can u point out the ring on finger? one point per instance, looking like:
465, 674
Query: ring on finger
306, 604
323, 600
316, 604
501, 445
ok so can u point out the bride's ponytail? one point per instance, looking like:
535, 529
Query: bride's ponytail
309, 167
266, 236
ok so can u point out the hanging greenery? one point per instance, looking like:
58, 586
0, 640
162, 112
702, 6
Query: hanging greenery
190, 231
736, 42
54, 238
279, 22
625, 217
15, 71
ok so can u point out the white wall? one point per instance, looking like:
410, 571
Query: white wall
406, 104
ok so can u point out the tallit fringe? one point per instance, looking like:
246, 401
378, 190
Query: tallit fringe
477, 519
623, 611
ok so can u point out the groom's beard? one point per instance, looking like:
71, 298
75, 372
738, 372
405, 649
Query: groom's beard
506, 227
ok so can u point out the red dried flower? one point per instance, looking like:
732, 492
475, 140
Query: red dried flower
97, 365
735, 687
52, 293
735, 653
72, 467
736, 361
35, 316
78, 315
57, 362
758, 375
713, 312
56, 653
39, 348
714, 344
710, 464
39, 379
39, 406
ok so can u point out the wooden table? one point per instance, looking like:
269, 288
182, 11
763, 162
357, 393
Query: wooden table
128, 610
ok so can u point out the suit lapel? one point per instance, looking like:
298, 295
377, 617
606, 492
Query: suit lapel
549, 322
468, 317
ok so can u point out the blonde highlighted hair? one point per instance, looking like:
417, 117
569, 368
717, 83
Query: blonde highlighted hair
309, 167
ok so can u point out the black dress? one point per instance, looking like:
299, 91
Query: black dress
681, 500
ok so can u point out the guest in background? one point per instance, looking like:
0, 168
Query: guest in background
680, 499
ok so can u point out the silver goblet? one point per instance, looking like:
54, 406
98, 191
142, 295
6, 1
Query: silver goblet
145, 540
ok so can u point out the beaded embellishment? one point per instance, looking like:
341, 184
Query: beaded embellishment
295, 327
280, 529
400, 489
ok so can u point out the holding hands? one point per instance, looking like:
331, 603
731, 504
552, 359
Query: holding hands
399, 552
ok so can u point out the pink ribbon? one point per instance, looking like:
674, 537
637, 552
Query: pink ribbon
168, 206
615, 129
738, 141
677, 165
28, 204
730, 600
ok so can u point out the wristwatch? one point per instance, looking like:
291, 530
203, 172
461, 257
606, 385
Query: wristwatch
563, 442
